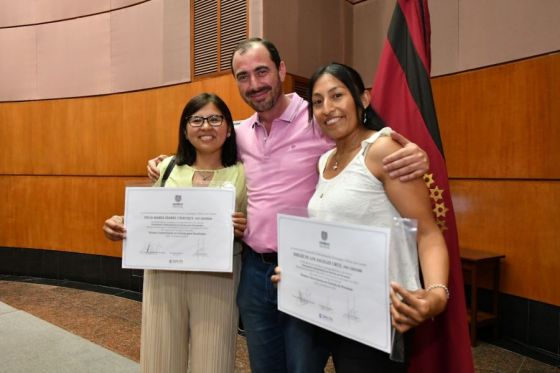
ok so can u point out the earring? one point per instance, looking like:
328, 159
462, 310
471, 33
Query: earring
365, 117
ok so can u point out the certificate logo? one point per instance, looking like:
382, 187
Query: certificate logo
323, 242
178, 203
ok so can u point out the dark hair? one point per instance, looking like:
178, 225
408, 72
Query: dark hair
249, 43
352, 80
186, 153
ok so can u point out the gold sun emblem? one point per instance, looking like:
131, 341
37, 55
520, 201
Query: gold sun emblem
428, 179
440, 210
441, 225
436, 194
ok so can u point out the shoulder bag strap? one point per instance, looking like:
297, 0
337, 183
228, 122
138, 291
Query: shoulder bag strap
167, 172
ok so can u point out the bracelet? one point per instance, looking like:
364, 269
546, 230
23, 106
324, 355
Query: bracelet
440, 286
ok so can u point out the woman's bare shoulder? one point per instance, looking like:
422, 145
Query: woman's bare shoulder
382, 147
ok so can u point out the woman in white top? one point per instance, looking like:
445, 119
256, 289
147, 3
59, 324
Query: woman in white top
354, 188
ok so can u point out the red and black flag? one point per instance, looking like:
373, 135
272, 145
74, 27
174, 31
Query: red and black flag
402, 96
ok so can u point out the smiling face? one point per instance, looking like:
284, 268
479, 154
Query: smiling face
258, 80
334, 108
207, 139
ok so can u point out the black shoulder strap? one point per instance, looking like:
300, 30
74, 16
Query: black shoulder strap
167, 172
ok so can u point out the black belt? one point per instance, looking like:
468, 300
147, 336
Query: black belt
267, 258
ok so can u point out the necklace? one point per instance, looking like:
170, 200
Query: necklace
202, 178
206, 177
335, 164
346, 156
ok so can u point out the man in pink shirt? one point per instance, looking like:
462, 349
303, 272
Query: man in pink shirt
280, 149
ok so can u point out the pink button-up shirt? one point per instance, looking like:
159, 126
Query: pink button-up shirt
280, 167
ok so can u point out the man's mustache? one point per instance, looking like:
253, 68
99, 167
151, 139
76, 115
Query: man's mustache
258, 91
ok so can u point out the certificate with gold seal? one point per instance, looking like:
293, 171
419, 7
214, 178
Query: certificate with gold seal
182, 229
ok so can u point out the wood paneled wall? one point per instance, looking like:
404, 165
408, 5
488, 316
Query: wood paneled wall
62, 213
103, 135
501, 128
65, 163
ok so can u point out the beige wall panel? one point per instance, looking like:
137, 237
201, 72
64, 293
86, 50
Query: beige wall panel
54, 10
115, 4
104, 135
519, 219
60, 213
348, 35
256, 18
502, 121
307, 33
465, 34
13, 13
444, 21
176, 41
73, 57
132, 48
371, 22
26, 12
498, 31
136, 47
18, 70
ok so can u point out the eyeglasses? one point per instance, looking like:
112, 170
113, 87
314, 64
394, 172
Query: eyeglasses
213, 120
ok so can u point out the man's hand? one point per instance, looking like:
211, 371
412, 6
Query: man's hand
114, 228
153, 171
407, 163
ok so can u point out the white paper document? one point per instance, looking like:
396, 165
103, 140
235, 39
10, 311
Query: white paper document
185, 229
336, 276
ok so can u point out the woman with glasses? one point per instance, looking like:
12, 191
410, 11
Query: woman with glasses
190, 318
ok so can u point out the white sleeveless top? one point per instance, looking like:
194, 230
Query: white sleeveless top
356, 196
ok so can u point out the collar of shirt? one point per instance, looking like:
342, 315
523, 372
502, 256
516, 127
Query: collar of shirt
287, 116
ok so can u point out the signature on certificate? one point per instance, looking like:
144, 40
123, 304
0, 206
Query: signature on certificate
151, 248
351, 312
303, 297
200, 251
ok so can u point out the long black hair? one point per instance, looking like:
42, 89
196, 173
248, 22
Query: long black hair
186, 153
353, 81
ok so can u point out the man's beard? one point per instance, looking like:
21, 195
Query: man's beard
266, 105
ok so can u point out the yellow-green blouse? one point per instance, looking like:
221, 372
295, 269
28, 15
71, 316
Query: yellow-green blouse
182, 176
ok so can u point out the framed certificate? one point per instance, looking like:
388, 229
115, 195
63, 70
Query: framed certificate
183, 229
336, 276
